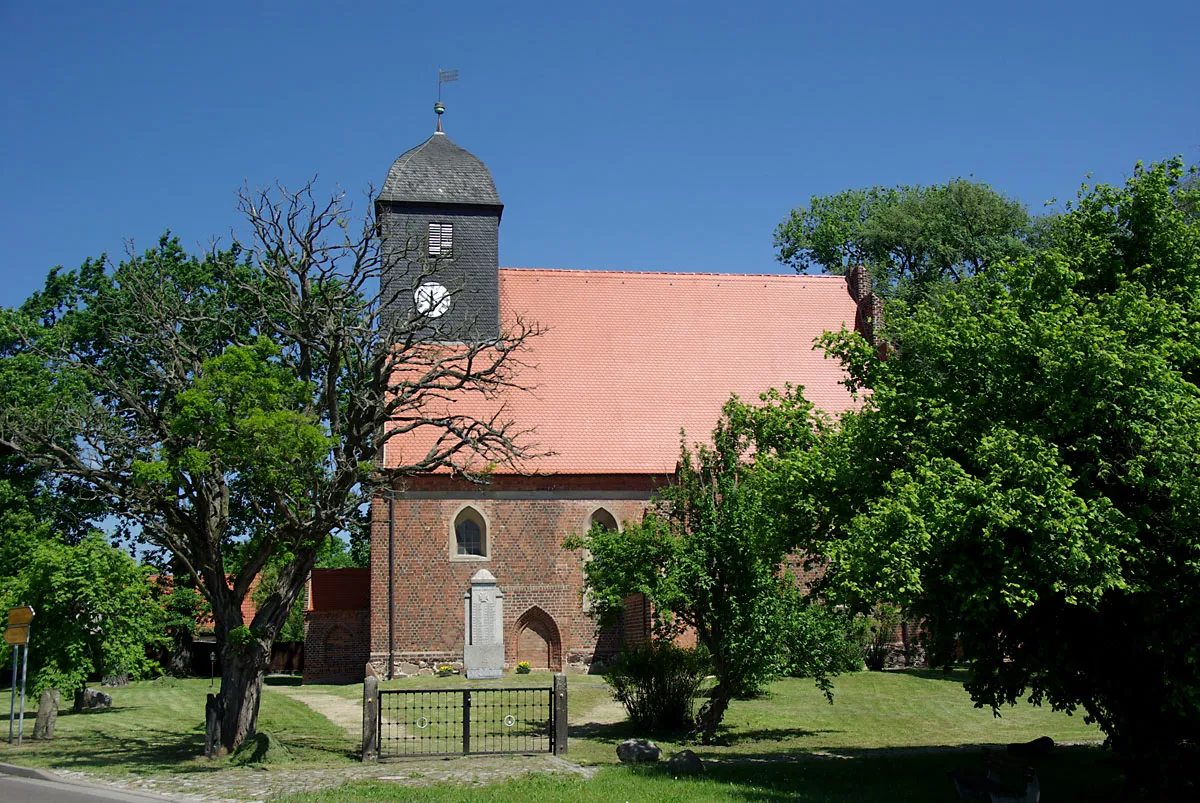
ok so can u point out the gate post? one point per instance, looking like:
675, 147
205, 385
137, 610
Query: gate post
466, 718
370, 728
214, 712
560, 713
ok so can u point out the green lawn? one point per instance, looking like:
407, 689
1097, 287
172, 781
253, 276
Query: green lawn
1076, 775
871, 710
158, 726
888, 736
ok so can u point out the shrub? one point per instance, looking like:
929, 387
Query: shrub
879, 627
824, 641
658, 685
523, 668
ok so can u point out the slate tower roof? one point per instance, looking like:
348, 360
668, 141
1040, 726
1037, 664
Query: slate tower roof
438, 171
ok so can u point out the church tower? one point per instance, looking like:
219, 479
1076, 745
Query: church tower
439, 214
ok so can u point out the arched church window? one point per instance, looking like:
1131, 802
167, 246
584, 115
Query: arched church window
470, 534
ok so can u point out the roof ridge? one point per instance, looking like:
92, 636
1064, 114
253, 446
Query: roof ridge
681, 274
404, 158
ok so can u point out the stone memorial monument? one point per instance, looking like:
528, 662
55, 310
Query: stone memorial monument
483, 639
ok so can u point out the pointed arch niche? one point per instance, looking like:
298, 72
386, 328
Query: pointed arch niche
538, 641
602, 517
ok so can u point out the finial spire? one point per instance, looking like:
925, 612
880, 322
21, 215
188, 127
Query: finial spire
444, 77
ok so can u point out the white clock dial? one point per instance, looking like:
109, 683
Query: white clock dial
432, 300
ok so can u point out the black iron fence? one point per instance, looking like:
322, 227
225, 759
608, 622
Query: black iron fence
433, 722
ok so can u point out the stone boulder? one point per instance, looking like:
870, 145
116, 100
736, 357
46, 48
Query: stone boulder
92, 700
1042, 747
638, 751
685, 762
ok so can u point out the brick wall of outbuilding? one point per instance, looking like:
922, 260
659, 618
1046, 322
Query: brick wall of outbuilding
336, 646
336, 626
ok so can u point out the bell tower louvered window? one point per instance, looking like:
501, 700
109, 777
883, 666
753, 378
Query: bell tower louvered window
441, 239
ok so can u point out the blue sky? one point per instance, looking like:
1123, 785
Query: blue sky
640, 136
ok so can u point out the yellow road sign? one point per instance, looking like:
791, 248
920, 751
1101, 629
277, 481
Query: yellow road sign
16, 634
20, 616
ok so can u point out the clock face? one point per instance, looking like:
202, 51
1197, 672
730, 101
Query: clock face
432, 300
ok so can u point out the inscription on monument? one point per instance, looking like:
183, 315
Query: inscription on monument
483, 619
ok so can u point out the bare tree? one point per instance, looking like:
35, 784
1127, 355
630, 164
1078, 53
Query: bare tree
235, 407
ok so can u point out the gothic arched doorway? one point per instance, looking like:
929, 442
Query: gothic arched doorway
538, 641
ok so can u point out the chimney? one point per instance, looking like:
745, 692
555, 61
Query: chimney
858, 282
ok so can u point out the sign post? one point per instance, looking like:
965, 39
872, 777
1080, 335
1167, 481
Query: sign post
17, 635
12, 700
24, 677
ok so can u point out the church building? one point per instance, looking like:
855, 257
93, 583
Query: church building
625, 362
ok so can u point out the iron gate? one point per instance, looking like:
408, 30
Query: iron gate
442, 722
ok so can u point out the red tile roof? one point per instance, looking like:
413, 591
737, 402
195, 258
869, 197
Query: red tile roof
248, 607
339, 589
628, 359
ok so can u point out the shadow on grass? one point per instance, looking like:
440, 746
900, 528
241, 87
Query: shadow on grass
31, 715
156, 750
1071, 775
616, 731
153, 751
149, 749
953, 675
769, 735
283, 680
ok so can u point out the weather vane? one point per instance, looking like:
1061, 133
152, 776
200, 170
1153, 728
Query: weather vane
444, 77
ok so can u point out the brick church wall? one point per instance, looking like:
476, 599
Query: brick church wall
526, 525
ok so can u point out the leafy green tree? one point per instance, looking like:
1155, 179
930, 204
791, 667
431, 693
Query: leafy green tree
909, 238
335, 554
1025, 472
93, 615
184, 612
96, 612
246, 396
709, 557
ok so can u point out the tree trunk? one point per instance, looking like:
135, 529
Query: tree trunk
47, 715
242, 671
713, 711
78, 704
179, 663
246, 649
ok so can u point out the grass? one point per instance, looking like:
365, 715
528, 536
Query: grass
1074, 776
871, 710
889, 736
157, 726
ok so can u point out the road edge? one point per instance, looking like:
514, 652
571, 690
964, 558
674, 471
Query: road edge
27, 772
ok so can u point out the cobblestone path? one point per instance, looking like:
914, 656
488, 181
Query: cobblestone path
244, 784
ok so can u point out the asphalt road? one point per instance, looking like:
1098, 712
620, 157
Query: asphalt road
32, 790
